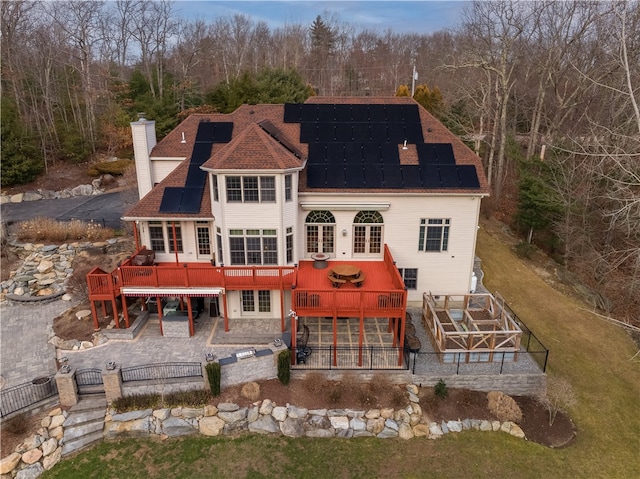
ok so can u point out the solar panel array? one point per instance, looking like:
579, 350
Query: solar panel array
187, 198
356, 146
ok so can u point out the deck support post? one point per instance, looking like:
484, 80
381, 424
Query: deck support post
116, 317
159, 303
226, 315
190, 312
94, 313
125, 311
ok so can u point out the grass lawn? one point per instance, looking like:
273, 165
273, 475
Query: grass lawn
591, 353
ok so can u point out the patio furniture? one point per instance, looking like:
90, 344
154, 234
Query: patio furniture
320, 260
336, 281
358, 281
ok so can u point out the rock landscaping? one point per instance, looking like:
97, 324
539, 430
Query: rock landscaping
95, 188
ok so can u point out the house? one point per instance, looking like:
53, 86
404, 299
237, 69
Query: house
259, 212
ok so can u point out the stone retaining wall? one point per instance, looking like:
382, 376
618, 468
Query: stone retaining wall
41, 451
81, 190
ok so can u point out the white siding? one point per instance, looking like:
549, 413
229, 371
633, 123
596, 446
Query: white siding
161, 168
446, 272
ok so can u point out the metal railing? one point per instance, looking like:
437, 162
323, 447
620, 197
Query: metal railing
24, 395
353, 357
477, 362
160, 371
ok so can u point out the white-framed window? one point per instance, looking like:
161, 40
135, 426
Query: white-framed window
214, 181
253, 246
434, 234
219, 244
156, 236
367, 233
288, 188
203, 237
410, 277
289, 244
321, 229
161, 236
251, 189
256, 301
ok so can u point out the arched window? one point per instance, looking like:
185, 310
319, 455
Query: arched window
320, 226
367, 233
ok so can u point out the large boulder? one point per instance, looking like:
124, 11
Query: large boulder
264, 425
211, 426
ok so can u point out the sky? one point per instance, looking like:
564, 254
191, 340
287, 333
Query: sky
421, 17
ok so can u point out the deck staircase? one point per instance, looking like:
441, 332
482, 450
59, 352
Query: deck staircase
85, 424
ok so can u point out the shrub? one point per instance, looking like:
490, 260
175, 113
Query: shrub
334, 393
194, 398
135, 402
50, 230
441, 391
284, 366
504, 407
315, 382
213, 375
559, 397
17, 424
379, 383
115, 168
525, 250
251, 391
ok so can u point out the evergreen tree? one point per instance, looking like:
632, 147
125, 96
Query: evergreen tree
21, 161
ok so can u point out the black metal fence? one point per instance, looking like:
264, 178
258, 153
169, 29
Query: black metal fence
150, 372
352, 357
24, 395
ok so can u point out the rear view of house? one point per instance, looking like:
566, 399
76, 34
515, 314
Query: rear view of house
335, 208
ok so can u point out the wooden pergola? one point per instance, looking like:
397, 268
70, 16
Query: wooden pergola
477, 326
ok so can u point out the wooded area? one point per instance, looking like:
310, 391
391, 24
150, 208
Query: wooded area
546, 92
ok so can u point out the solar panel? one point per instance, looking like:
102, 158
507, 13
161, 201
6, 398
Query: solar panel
206, 130
390, 154
410, 113
201, 153
361, 132
354, 176
335, 178
353, 153
392, 176
195, 176
224, 131
449, 176
371, 152
413, 132
444, 153
191, 198
343, 113
396, 132
292, 112
308, 132
316, 176
360, 113
468, 176
430, 176
309, 113
379, 132
344, 132
325, 132
317, 153
171, 199
335, 161
326, 113
426, 153
335, 150
411, 177
373, 175
394, 113
377, 114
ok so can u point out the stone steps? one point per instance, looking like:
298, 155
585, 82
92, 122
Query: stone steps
85, 424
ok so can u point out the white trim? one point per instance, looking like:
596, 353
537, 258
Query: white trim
309, 206
171, 291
